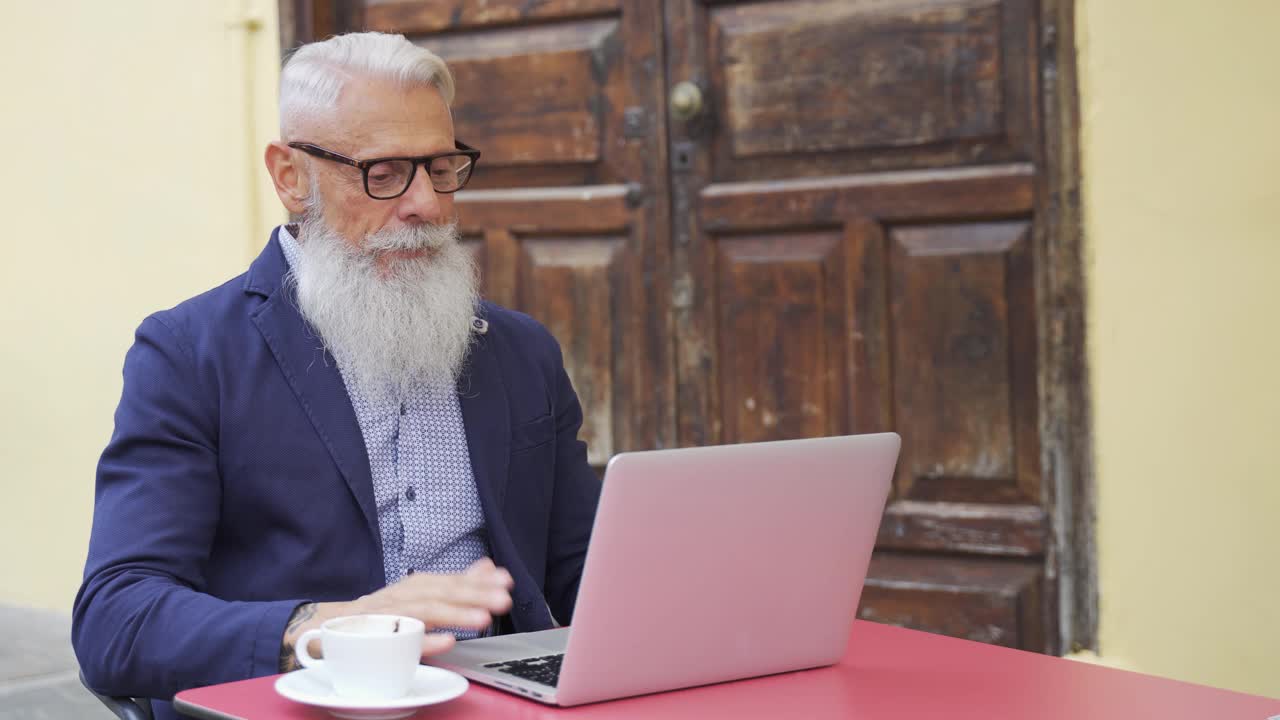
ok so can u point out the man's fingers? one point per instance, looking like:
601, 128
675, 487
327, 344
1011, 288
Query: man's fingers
460, 590
439, 614
435, 643
467, 600
484, 570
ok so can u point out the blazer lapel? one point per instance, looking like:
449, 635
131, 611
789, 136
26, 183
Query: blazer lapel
314, 377
483, 397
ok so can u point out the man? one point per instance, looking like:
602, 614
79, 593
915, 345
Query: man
344, 428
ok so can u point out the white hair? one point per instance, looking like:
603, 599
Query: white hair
314, 75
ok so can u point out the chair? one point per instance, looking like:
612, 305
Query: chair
125, 708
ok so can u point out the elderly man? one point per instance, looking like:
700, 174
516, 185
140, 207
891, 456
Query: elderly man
343, 429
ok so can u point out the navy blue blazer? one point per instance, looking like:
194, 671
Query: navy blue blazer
236, 486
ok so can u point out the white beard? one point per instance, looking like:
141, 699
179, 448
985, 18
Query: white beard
389, 329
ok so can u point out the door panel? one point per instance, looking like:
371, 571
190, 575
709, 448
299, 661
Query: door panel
954, 290
435, 16
571, 282
778, 57
549, 69
782, 332
815, 87
970, 528
992, 601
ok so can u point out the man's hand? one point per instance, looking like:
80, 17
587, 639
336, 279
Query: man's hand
469, 600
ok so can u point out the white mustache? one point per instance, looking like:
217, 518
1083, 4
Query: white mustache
419, 237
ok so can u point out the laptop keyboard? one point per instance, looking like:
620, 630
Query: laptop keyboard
545, 669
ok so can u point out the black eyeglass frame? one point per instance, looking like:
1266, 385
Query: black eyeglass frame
364, 165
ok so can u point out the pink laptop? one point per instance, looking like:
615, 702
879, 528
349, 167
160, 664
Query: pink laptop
707, 565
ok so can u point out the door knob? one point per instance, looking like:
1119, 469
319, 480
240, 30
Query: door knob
686, 100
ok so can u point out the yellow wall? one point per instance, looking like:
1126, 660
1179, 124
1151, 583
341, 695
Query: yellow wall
1181, 114
132, 134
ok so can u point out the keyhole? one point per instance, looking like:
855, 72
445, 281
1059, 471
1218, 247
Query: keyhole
682, 157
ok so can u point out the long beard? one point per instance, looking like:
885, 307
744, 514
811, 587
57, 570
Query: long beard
406, 323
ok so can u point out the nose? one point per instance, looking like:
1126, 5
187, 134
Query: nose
420, 203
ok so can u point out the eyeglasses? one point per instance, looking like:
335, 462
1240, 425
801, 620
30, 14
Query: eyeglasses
390, 177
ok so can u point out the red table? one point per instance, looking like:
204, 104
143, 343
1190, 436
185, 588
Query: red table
888, 673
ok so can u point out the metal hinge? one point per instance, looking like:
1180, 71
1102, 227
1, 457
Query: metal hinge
635, 122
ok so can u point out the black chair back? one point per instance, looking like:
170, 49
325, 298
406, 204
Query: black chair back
125, 708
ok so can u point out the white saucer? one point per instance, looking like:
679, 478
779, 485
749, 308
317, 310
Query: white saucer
430, 685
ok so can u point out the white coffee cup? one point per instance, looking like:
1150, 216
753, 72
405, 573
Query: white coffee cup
366, 657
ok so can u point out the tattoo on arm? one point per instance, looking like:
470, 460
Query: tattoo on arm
288, 659
305, 612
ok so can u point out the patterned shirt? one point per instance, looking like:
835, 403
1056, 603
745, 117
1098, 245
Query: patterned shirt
429, 511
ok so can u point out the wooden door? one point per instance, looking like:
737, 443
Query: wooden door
857, 257
846, 234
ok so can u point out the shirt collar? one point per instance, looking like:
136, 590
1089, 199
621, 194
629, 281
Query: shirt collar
289, 244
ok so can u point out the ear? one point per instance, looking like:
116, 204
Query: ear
288, 175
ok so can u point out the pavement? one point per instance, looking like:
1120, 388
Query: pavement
39, 677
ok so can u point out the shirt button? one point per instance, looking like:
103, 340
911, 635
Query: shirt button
410, 571
410, 494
